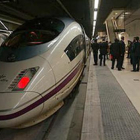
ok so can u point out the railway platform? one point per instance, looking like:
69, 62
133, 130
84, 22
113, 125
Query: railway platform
112, 107
104, 106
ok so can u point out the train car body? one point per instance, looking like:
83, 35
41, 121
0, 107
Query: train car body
40, 63
88, 45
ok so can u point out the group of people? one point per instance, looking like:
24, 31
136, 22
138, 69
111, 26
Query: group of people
117, 52
103, 47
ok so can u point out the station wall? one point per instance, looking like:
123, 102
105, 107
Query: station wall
133, 29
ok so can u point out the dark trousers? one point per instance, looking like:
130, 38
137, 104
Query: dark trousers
118, 62
131, 58
121, 60
136, 60
128, 55
102, 58
95, 55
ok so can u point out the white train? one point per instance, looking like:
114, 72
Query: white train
88, 45
40, 63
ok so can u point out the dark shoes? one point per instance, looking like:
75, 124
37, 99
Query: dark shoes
123, 68
133, 70
112, 68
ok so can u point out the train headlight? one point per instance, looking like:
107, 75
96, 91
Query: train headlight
22, 79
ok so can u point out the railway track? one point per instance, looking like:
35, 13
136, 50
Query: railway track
37, 132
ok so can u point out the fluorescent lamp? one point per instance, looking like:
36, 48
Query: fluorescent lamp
94, 23
127, 13
95, 15
93, 29
93, 32
96, 4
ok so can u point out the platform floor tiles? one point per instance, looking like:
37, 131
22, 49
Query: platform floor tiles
117, 115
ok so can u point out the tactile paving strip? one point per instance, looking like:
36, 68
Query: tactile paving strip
121, 121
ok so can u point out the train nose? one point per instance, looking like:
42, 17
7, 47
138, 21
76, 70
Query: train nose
18, 107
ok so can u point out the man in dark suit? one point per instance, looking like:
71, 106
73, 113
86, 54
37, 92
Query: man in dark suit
122, 51
115, 51
136, 51
95, 47
103, 51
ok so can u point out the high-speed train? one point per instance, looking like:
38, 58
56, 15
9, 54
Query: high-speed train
40, 63
88, 45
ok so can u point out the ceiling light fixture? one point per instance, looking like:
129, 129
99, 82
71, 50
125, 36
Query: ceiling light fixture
96, 4
122, 17
94, 23
127, 13
96, 7
95, 15
93, 31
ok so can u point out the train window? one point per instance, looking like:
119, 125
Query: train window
70, 52
75, 47
28, 40
34, 33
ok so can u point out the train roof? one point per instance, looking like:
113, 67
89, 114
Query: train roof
65, 20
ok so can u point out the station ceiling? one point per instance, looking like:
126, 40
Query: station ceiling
21, 10
106, 6
18, 11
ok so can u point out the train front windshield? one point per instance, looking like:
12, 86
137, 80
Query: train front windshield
28, 40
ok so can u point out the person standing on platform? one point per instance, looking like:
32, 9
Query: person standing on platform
136, 51
129, 48
103, 52
107, 55
95, 48
122, 51
132, 51
115, 51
